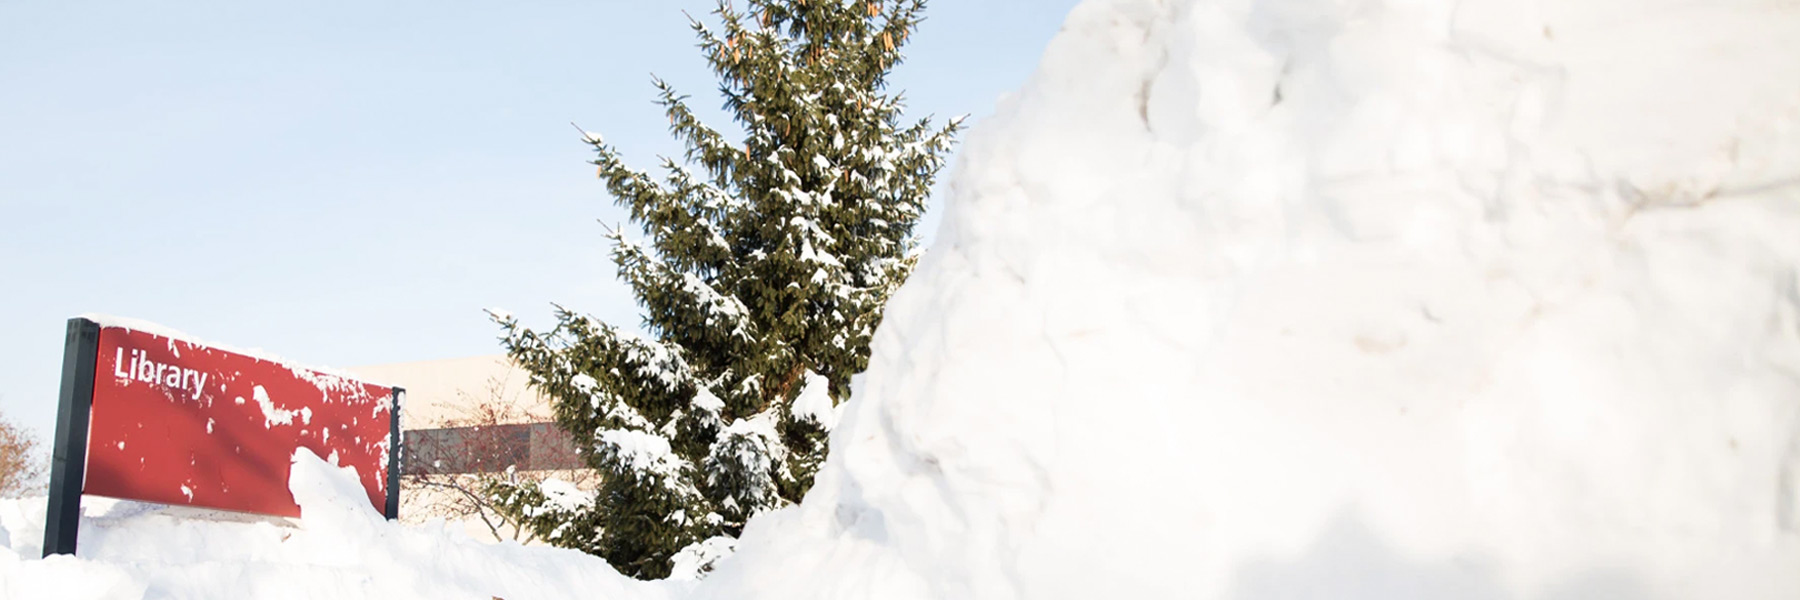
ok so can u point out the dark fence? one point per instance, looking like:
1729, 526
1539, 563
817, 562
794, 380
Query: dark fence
488, 449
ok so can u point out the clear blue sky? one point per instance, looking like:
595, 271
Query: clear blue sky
348, 183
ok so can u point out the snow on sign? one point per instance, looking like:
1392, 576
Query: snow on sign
174, 421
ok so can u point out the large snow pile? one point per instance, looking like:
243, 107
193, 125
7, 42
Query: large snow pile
1344, 299
1490, 299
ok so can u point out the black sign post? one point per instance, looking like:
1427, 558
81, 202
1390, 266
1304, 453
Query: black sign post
68, 462
392, 510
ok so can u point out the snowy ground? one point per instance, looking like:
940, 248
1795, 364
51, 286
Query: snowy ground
1276, 299
339, 548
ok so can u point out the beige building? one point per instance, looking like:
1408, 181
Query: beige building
440, 393
467, 421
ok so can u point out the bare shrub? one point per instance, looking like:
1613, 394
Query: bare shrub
490, 439
22, 466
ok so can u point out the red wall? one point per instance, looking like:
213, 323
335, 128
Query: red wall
202, 434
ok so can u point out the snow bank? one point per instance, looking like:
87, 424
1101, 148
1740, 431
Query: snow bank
340, 548
1309, 299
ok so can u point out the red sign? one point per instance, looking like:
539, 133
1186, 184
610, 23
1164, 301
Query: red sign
181, 423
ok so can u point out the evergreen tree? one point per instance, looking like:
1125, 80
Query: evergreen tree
761, 281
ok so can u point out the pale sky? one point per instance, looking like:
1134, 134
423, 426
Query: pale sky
349, 183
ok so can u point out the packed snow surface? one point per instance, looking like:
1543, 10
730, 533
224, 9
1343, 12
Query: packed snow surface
1491, 299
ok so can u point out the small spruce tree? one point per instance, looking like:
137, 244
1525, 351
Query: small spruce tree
761, 281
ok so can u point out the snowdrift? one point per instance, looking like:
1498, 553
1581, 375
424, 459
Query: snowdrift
1310, 299
1276, 299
